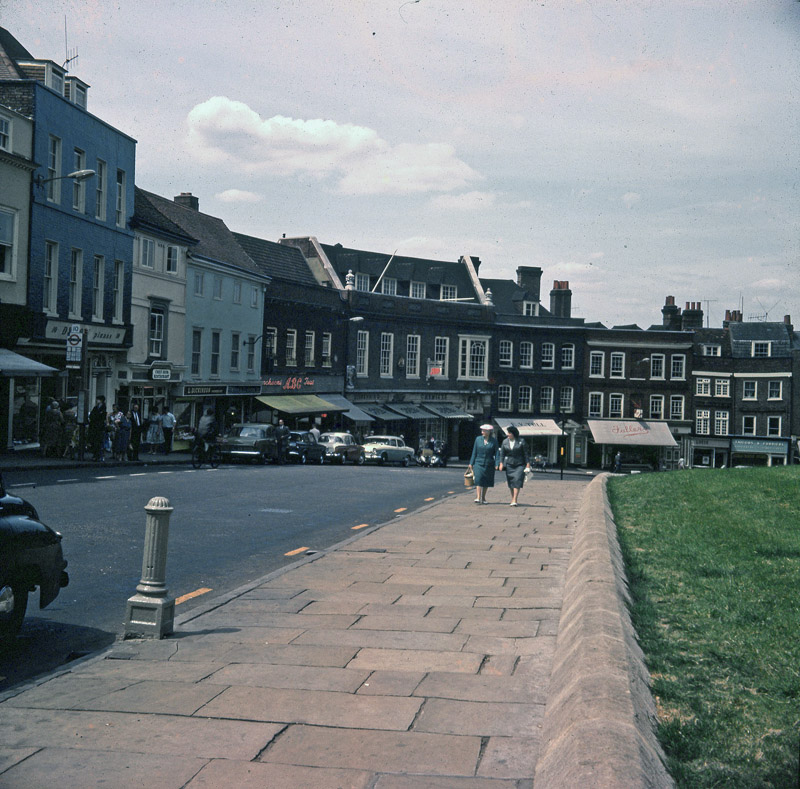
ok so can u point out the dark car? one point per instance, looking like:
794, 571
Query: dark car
303, 448
30, 556
250, 441
341, 447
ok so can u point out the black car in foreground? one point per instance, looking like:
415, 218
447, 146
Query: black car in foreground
30, 556
303, 448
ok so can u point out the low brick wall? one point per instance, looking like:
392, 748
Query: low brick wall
599, 723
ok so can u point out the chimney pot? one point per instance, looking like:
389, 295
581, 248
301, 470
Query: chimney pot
188, 200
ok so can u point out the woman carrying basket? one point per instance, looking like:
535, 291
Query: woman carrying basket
482, 462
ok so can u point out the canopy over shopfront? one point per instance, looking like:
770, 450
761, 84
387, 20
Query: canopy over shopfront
531, 427
352, 412
409, 411
379, 412
447, 411
633, 433
13, 365
300, 404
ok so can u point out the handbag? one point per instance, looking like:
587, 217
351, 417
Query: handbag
469, 479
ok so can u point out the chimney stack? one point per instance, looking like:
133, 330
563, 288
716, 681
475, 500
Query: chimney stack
188, 200
529, 278
671, 314
561, 299
692, 317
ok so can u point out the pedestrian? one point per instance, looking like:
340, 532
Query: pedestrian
282, 434
52, 429
168, 426
122, 437
681, 464
482, 462
618, 463
97, 428
155, 433
136, 432
314, 430
514, 460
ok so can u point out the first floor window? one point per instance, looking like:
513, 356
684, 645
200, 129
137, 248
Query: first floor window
546, 399
235, 343
441, 351
678, 371
326, 349
676, 407
309, 349
596, 404
197, 347
172, 263
596, 364
251, 353
215, 344
568, 357
775, 390
119, 286
7, 234
75, 282
748, 425
218, 288
503, 398
657, 365
702, 386
749, 390
773, 426
525, 399
120, 200
548, 355
387, 353
566, 399
98, 277
291, 347
156, 331
505, 353
362, 353
473, 358
50, 277
656, 406
722, 387
199, 283
702, 422
720, 423
617, 365
615, 403
270, 342
526, 355
412, 356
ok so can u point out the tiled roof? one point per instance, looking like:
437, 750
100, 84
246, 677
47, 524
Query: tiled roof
745, 333
278, 260
507, 297
146, 213
10, 52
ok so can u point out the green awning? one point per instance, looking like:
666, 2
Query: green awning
299, 404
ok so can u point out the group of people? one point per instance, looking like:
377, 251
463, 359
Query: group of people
488, 456
120, 434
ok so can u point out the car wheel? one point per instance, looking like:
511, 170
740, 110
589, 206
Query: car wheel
361, 460
11, 621
406, 461
265, 458
383, 459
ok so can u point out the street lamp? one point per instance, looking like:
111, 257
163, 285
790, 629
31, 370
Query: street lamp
78, 175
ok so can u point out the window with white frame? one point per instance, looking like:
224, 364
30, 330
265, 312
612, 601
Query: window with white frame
448, 293
761, 350
5, 133
749, 390
678, 367
548, 355
615, 406
325, 350
156, 344
530, 308
546, 399
54, 78
526, 355
657, 365
120, 199
217, 291
199, 283
525, 399
54, 169
712, 350
8, 235
702, 422
566, 399
254, 297
722, 387
291, 347
101, 191
503, 397
775, 390
418, 290
441, 354
656, 406
389, 286
147, 252
362, 282
362, 353
702, 386
197, 347
721, 423
596, 364
412, 355
748, 425
270, 342
505, 353
75, 282
568, 357
251, 353
237, 291
473, 358
774, 425
309, 349
236, 342
676, 407
119, 288
216, 340
172, 264
616, 367
50, 277
98, 285
596, 404
78, 186
386, 354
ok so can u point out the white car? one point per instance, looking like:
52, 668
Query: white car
387, 449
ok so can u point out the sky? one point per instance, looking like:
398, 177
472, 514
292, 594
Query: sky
636, 149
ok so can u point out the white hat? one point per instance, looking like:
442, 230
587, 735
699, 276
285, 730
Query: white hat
487, 427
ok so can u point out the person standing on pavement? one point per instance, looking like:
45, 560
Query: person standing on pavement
52, 429
122, 437
482, 462
514, 460
618, 463
136, 432
97, 428
168, 426
314, 430
282, 434
155, 433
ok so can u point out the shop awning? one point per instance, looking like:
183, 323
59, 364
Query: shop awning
379, 412
353, 412
409, 411
447, 411
633, 433
13, 365
531, 427
299, 404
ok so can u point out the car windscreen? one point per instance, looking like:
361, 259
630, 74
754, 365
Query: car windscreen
247, 431
377, 440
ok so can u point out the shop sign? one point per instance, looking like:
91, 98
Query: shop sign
244, 389
105, 335
197, 391
74, 343
161, 374
755, 446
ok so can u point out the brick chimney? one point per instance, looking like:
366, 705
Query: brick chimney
692, 317
188, 200
787, 321
671, 314
529, 278
561, 299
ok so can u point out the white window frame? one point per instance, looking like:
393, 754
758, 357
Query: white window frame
547, 400
678, 367
362, 282
774, 426
10, 246
309, 347
616, 411
50, 278
418, 290
503, 397
505, 353
389, 286
251, 353
291, 347
761, 349
616, 365
441, 354
702, 387
712, 350
54, 165
656, 407
568, 356
548, 356
473, 358
98, 286
749, 425
362, 353
386, 368
74, 304
325, 350
237, 291
676, 406
236, 343
216, 292
199, 284
173, 259
721, 423
147, 253
119, 290
770, 394
197, 351
448, 293
269, 344
597, 360
595, 408
101, 191
216, 351
254, 298
722, 387
120, 199
525, 399
78, 186
745, 385
658, 366
6, 129
566, 399
413, 344
155, 336
702, 422
526, 355
530, 308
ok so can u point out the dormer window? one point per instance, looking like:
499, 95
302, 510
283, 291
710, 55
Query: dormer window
362, 282
5, 133
761, 350
55, 79
530, 308
389, 286
448, 293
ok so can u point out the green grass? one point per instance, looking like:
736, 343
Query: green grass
713, 560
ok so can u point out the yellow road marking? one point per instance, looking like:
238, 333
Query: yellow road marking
196, 593
360, 526
430, 498
296, 551
401, 509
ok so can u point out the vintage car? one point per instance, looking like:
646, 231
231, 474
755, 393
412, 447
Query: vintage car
30, 556
388, 449
303, 448
250, 441
341, 447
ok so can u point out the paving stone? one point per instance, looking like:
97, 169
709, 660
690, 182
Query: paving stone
257, 775
486, 590
518, 602
391, 683
383, 609
245, 635
480, 687
265, 675
489, 645
300, 655
499, 665
391, 639
351, 606
360, 749
481, 719
466, 601
166, 698
430, 782
519, 628
140, 669
66, 691
12, 756
509, 757
269, 592
416, 660
398, 621
486, 614
319, 708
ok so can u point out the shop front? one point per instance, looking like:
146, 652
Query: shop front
455, 427
710, 452
760, 451
543, 436
642, 444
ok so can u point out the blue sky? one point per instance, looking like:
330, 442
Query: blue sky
636, 149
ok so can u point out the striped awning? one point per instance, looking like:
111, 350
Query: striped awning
632, 432
379, 412
447, 411
409, 410
14, 365
299, 404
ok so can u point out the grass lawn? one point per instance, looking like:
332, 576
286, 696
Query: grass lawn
713, 560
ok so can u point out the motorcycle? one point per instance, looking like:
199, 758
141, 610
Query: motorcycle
433, 458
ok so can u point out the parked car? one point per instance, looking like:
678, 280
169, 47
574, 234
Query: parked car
388, 449
303, 448
30, 556
341, 448
250, 441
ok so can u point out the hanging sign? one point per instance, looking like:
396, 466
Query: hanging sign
74, 343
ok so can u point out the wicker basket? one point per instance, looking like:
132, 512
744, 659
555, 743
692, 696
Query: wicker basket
469, 479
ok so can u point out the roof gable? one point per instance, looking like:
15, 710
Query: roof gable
278, 260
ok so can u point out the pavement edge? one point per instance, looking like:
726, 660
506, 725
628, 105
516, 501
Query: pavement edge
600, 717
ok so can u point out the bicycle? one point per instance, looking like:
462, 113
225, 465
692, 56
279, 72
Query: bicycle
205, 452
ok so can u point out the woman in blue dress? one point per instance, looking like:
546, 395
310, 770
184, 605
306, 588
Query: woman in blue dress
482, 462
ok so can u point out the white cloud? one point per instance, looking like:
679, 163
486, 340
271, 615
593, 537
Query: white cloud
223, 131
238, 196
467, 201
631, 198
